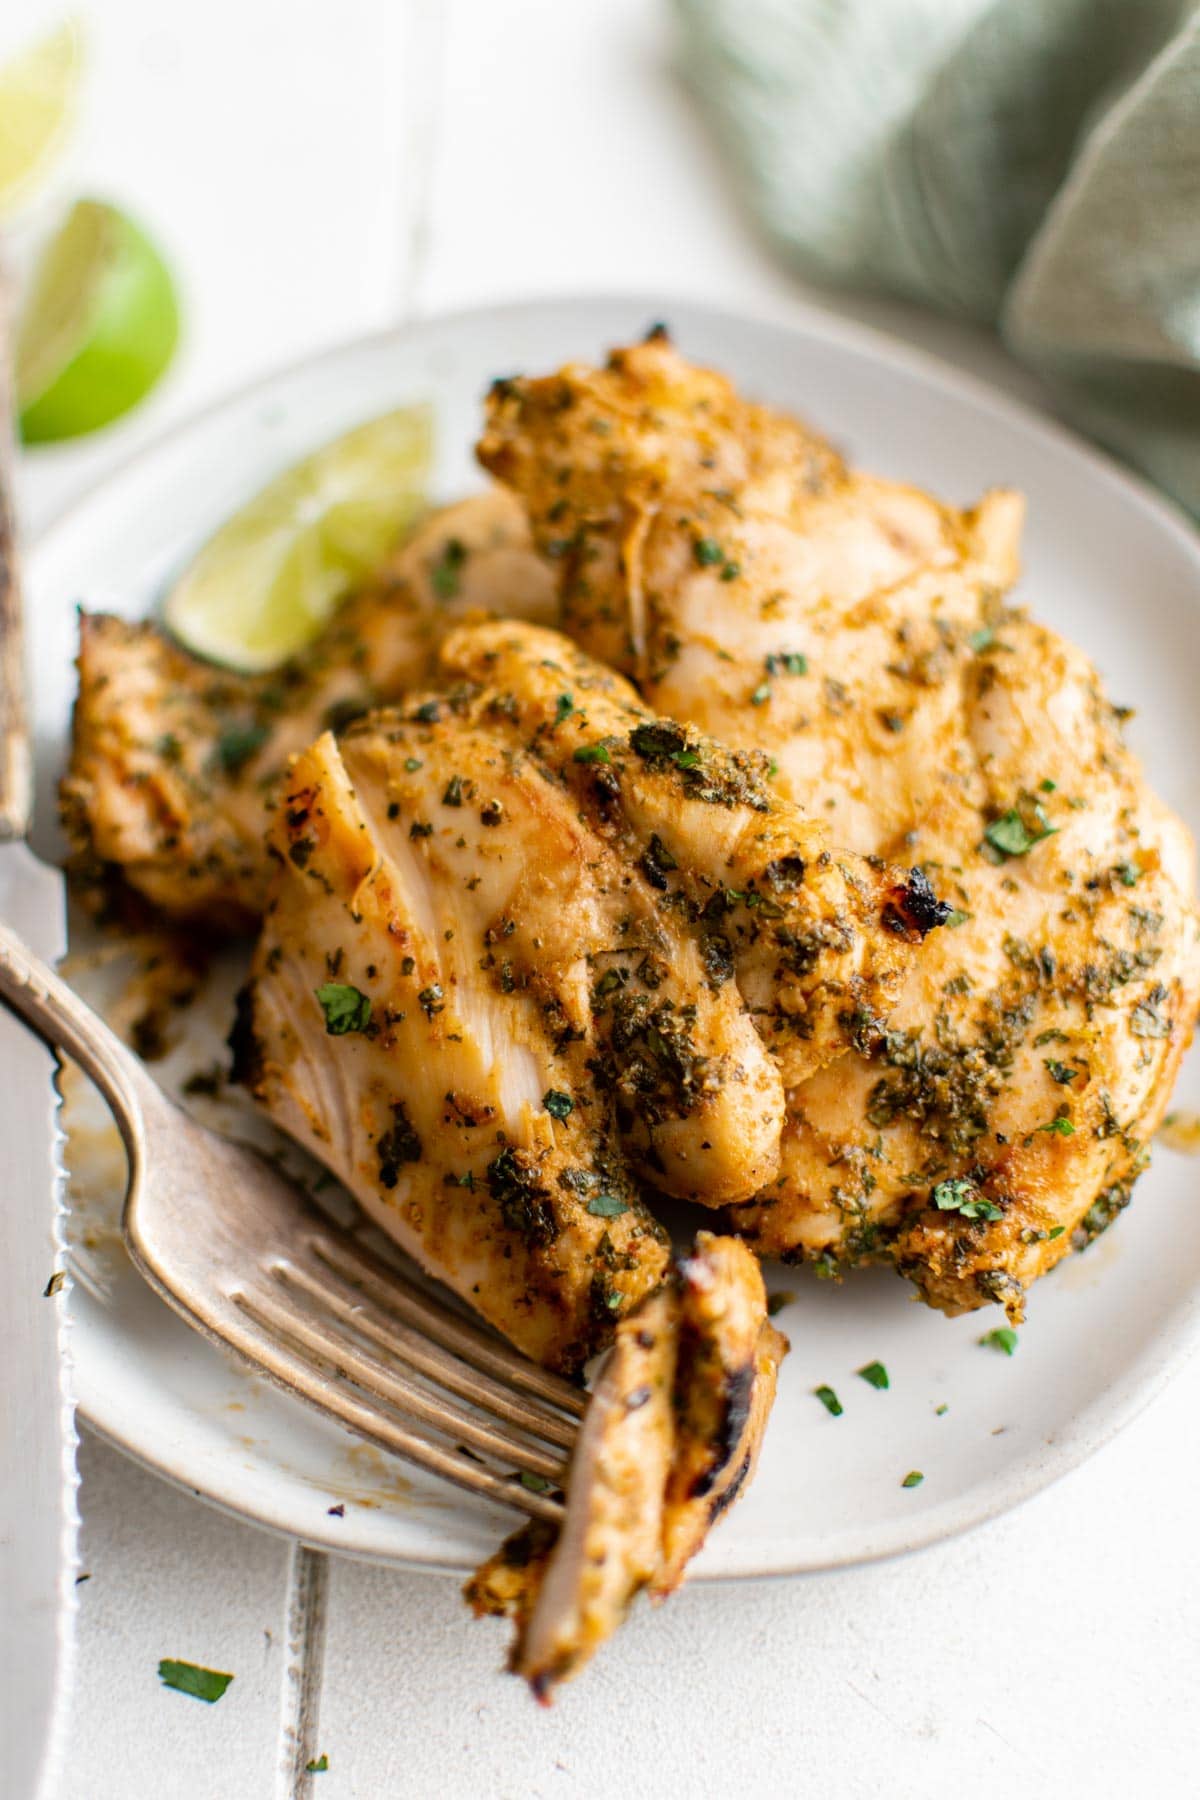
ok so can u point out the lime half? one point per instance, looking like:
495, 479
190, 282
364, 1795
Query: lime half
99, 327
37, 104
263, 587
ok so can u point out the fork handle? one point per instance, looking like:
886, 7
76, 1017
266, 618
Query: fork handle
65, 1022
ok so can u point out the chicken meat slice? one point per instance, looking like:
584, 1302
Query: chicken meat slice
174, 763
725, 1377
761, 591
696, 534
800, 933
492, 986
668, 1443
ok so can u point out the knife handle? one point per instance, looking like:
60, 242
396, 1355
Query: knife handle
16, 769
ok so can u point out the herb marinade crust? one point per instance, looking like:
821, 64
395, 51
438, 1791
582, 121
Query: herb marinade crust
531, 953
857, 632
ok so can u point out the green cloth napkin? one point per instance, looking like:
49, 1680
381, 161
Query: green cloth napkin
1035, 163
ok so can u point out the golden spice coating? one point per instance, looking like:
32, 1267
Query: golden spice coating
502, 974
669, 1440
175, 763
856, 631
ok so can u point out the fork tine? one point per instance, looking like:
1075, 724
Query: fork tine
377, 1381
354, 1308
393, 1291
297, 1376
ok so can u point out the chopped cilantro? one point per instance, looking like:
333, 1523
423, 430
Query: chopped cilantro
189, 1678
346, 1008
237, 744
413, 763
942, 1409
1061, 1127
592, 753
1002, 1338
557, 1104
1055, 1231
955, 917
318, 1765
707, 552
776, 1302
731, 571
875, 1374
607, 1206
564, 708
981, 640
829, 1401
1010, 836
1060, 1071
787, 662
445, 575
914, 1478
963, 1197
1128, 874
537, 1484
1047, 786
431, 1000
761, 694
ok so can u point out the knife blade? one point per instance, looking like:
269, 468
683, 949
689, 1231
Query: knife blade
38, 1517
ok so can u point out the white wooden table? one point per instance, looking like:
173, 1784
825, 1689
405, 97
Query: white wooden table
317, 171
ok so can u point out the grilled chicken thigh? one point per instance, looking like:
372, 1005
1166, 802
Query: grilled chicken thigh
557, 942
669, 1441
174, 762
856, 631
694, 533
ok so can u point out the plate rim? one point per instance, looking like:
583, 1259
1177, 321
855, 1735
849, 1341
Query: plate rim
1144, 1380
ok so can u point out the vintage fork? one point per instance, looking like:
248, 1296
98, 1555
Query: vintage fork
251, 1262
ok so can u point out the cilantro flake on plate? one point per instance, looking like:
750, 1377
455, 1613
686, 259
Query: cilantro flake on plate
190, 1678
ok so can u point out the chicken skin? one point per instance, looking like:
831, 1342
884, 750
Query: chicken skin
506, 972
175, 763
669, 1441
857, 632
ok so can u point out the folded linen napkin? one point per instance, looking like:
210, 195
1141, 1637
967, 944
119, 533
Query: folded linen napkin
1035, 163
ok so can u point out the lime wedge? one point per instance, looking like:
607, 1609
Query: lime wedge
37, 104
99, 327
262, 588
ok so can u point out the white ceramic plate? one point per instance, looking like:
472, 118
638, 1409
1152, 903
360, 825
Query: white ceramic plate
1106, 563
